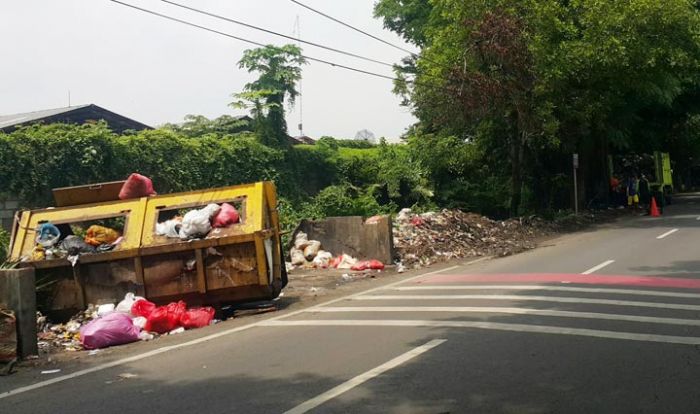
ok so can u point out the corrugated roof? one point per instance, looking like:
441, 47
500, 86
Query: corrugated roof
16, 119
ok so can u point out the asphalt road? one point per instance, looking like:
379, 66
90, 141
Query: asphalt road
604, 321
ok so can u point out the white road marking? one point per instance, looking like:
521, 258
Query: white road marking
364, 377
198, 341
511, 311
684, 340
483, 259
668, 233
552, 288
557, 299
600, 266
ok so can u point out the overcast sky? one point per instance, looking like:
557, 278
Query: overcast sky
157, 71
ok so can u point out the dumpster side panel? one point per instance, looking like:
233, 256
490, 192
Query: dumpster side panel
232, 266
170, 274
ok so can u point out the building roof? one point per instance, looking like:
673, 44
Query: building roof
303, 139
71, 115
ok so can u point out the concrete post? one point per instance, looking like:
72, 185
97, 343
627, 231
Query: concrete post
18, 293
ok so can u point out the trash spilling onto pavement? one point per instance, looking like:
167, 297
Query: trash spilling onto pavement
131, 320
309, 254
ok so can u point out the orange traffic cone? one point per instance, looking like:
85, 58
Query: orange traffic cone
654, 212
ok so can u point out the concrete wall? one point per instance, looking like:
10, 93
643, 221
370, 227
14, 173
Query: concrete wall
8, 207
17, 292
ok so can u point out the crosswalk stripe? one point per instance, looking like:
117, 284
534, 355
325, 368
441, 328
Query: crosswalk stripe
552, 288
497, 326
557, 299
511, 311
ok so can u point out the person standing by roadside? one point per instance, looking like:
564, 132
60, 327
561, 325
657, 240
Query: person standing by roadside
644, 192
632, 191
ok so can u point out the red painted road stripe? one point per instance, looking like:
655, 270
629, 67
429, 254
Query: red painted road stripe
649, 281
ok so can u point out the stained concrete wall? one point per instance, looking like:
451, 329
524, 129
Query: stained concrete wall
8, 207
17, 292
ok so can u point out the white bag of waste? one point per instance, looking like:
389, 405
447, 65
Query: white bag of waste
301, 240
170, 228
197, 223
312, 249
346, 262
125, 305
323, 259
297, 256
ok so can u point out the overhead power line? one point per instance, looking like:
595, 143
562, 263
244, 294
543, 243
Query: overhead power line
238, 22
353, 27
185, 22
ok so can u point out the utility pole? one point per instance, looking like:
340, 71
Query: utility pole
297, 31
575, 162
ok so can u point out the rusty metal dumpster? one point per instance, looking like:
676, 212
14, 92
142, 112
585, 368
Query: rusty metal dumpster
241, 262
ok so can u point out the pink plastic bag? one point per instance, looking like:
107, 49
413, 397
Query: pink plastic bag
142, 307
164, 319
112, 329
376, 265
227, 216
197, 318
136, 186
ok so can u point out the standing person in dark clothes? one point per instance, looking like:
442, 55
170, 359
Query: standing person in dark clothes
644, 192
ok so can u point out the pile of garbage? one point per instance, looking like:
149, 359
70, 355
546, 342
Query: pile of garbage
423, 239
198, 223
309, 254
132, 319
50, 245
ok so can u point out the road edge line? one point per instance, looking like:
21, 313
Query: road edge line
159, 351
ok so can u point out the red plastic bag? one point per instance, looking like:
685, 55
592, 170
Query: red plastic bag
227, 216
136, 186
360, 266
164, 319
197, 317
112, 329
376, 265
368, 264
142, 307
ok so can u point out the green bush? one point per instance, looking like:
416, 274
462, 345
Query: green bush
4, 245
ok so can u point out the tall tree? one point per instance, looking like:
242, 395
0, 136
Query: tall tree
279, 69
544, 76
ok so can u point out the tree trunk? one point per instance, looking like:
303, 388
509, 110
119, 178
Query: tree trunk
516, 191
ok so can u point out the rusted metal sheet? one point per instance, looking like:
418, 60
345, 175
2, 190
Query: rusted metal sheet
87, 194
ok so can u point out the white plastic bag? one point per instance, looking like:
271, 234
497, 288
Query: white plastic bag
297, 257
347, 262
197, 223
170, 228
140, 322
103, 310
323, 259
301, 240
125, 305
